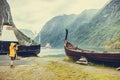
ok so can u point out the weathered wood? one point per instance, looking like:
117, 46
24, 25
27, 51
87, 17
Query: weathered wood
109, 58
6, 19
97, 57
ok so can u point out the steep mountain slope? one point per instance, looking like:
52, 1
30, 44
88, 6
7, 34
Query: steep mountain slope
102, 28
54, 30
83, 19
5, 18
5, 14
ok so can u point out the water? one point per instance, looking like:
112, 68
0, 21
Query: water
52, 52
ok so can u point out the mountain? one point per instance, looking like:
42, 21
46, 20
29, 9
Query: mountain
103, 28
84, 18
6, 17
88, 29
5, 14
54, 30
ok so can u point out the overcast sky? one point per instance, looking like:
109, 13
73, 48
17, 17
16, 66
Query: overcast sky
33, 14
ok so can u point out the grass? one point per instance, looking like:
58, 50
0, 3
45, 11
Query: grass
68, 60
67, 72
45, 68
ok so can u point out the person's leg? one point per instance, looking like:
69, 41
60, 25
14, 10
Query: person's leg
12, 62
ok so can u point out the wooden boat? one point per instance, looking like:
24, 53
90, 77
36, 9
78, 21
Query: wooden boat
8, 36
24, 51
107, 58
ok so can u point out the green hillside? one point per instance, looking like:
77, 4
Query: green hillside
103, 28
54, 30
88, 29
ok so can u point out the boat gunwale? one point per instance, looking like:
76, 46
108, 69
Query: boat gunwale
76, 49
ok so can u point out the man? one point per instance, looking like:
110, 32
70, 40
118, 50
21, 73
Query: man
13, 48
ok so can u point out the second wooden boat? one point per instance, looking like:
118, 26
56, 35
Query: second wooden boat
75, 53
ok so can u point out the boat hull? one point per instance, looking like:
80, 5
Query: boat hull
96, 57
23, 51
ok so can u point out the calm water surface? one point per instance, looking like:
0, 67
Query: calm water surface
52, 52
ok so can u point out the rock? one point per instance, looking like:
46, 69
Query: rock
118, 69
5, 14
6, 17
82, 60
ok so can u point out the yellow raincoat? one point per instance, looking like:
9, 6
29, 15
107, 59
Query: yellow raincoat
12, 49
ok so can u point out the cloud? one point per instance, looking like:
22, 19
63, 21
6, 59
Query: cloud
33, 14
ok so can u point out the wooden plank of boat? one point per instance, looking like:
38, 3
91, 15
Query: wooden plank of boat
75, 53
24, 51
8, 36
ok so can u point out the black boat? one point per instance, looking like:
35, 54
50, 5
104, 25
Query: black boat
75, 53
25, 49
